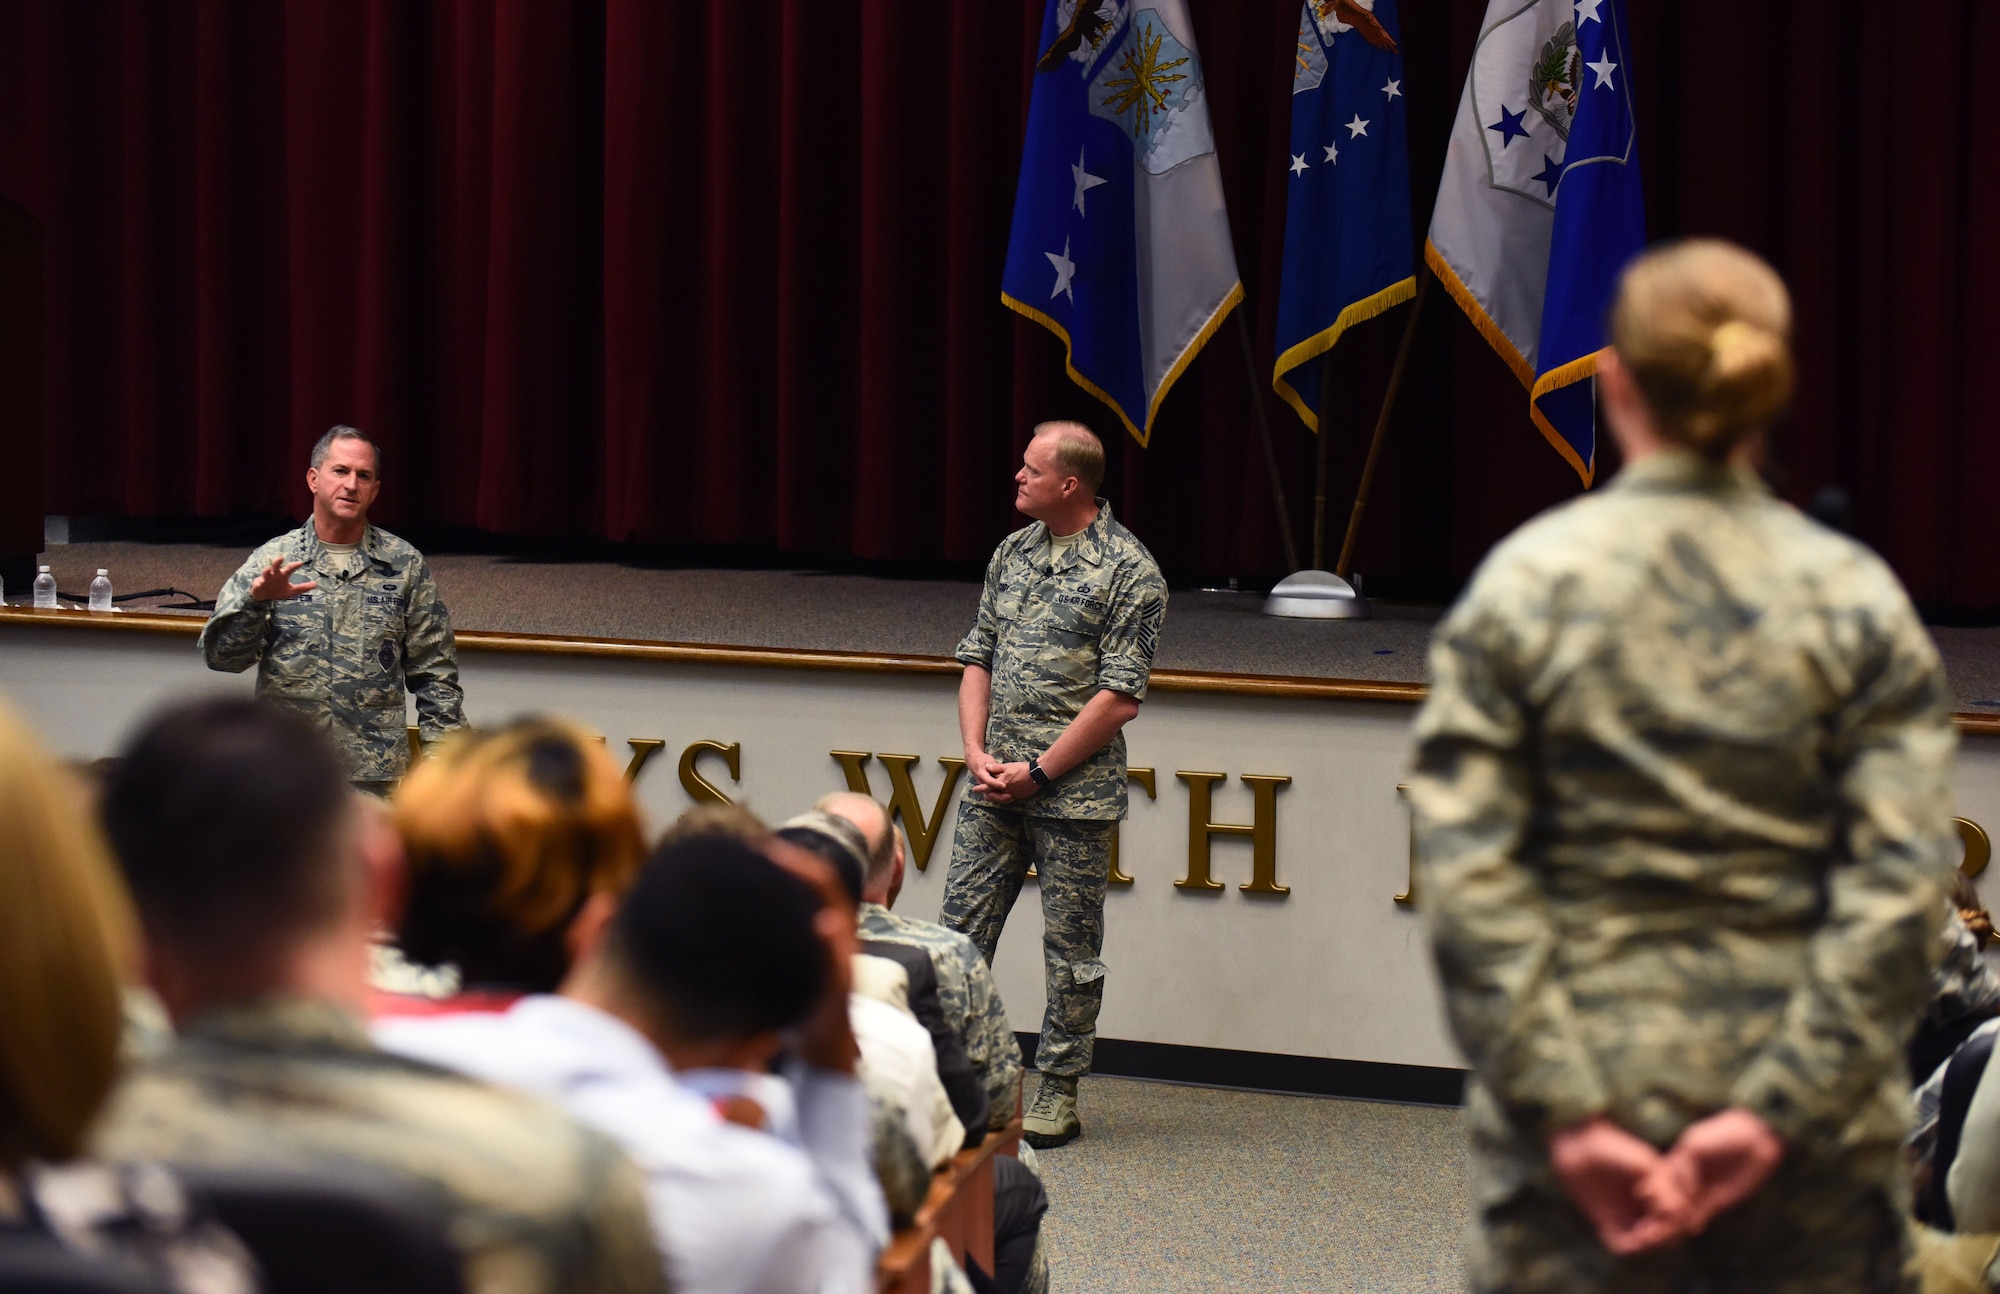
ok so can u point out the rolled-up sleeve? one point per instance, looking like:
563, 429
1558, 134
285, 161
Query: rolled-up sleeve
1132, 636
976, 648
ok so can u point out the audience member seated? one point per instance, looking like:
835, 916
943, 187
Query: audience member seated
920, 997
899, 1166
972, 1005
704, 960
898, 1059
258, 886
1965, 992
1019, 1200
68, 934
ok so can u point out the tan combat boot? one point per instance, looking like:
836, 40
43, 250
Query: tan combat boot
1051, 1119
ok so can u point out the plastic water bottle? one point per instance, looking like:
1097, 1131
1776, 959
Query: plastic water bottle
45, 589
100, 591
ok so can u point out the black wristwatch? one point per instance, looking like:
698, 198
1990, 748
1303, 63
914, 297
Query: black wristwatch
1035, 771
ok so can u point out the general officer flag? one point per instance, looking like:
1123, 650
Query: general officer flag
1347, 212
1540, 205
1121, 242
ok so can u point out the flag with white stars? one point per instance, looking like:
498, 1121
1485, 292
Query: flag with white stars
1540, 205
1120, 243
1348, 254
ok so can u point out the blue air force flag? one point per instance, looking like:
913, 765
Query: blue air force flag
1540, 205
1347, 213
1121, 242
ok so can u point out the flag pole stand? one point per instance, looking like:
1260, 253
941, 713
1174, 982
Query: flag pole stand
1327, 595
1318, 594
1264, 434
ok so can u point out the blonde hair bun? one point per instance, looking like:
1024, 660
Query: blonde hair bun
1704, 328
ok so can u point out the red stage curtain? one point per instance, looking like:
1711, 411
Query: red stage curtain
725, 274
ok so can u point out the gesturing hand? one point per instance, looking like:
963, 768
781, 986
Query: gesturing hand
274, 582
1622, 1184
1723, 1159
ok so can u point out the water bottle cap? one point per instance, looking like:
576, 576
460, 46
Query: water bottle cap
42, 569
102, 571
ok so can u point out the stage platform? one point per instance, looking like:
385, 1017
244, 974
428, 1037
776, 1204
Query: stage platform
1207, 632
1262, 917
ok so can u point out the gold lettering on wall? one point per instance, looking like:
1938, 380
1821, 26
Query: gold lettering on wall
1408, 898
1144, 777
643, 749
699, 788
1262, 830
1978, 847
921, 828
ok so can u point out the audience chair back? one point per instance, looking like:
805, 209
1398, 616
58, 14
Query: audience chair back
333, 1234
37, 1264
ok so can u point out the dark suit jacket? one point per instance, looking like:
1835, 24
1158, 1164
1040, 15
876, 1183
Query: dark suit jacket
961, 1083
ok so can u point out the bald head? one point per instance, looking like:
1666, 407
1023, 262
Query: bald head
873, 822
1079, 452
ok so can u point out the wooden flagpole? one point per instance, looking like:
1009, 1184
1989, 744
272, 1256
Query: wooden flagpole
1319, 470
1264, 434
1381, 426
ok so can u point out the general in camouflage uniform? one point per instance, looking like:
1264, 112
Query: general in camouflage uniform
1684, 838
534, 1203
342, 652
1062, 621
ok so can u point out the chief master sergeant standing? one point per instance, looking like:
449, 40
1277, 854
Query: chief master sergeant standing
339, 648
1054, 669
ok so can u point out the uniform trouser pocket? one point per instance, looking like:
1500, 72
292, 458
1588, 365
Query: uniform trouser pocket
1073, 863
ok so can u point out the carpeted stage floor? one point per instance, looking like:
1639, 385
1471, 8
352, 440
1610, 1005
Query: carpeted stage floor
1216, 632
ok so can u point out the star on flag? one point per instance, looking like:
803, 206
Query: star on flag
1298, 166
1586, 11
1332, 153
1065, 270
1604, 67
1357, 126
1393, 90
1085, 182
1510, 126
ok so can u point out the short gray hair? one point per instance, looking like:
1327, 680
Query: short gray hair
340, 431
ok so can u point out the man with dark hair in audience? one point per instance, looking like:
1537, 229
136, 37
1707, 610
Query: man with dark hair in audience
259, 887
713, 960
965, 983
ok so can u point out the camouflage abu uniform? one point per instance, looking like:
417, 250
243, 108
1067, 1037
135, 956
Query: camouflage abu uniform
1682, 804
1054, 635
341, 655
534, 1203
971, 1003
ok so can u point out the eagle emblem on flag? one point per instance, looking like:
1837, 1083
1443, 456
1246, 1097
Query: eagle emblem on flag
1552, 85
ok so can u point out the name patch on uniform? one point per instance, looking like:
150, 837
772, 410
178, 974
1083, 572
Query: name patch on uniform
377, 600
1079, 600
387, 655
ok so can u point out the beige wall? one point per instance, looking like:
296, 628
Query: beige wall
1334, 968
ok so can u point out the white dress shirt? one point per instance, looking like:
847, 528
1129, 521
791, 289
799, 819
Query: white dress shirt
899, 1063
734, 1210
